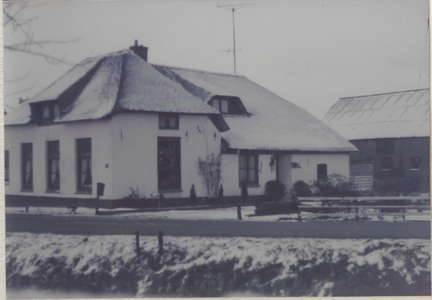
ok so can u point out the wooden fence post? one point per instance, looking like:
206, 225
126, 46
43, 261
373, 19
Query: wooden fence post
97, 206
298, 210
356, 210
137, 243
160, 237
99, 192
161, 200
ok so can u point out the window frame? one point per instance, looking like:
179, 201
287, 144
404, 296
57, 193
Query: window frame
248, 168
49, 111
174, 166
81, 154
7, 167
167, 117
320, 167
413, 165
53, 155
27, 166
219, 105
384, 164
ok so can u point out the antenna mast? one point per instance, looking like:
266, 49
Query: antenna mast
233, 7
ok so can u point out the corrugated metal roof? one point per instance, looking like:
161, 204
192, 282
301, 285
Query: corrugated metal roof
274, 123
390, 115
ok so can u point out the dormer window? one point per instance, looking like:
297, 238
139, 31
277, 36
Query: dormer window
221, 105
50, 111
45, 112
56, 111
228, 105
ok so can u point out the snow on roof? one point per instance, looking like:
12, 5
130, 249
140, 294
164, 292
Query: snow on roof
390, 115
121, 81
274, 123
54, 90
19, 115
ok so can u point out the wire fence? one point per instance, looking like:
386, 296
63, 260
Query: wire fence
366, 206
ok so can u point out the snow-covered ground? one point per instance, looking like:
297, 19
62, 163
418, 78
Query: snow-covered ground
230, 213
197, 266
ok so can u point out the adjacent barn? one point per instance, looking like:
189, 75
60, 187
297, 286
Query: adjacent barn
392, 134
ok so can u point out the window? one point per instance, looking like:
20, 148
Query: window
321, 171
6, 164
53, 165
27, 166
169, 164
84, 165
168, 121
248, 168
221, 105
386, 163
46, 112
415, 163
385, 146
50, 111
228, 105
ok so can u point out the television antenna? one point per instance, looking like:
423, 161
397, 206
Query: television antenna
233, 8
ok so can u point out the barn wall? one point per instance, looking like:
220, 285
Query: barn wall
67, 133
405, 148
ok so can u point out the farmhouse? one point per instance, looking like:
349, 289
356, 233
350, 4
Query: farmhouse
134, 126
392, 134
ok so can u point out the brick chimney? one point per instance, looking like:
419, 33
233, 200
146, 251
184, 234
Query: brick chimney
141, 51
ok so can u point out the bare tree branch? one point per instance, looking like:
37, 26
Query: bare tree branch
40, 43
12, 12
49, 58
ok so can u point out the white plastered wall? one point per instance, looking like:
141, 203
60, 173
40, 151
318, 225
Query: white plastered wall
66, 133
336, 164
285, 170
230, 175
134, 138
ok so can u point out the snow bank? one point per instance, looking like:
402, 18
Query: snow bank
196, 266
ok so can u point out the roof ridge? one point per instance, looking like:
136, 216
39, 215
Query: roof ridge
120, 52
199, 71
380, 94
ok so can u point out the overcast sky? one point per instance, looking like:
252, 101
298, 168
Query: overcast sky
310, 52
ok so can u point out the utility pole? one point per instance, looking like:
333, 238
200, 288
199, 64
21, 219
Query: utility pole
233, 7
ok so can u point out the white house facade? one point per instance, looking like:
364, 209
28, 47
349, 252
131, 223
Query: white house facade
140, 129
